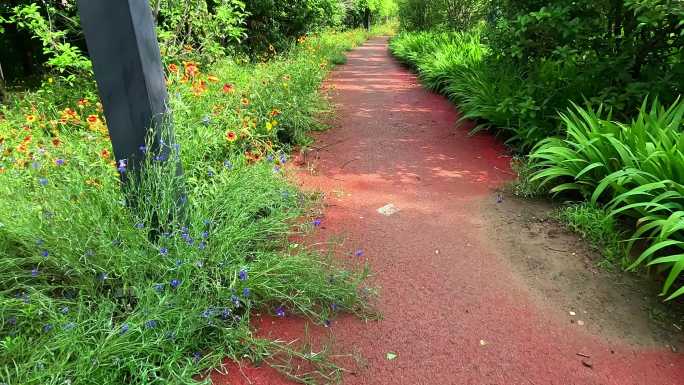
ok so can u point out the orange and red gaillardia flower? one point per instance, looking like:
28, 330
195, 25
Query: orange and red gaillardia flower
30, 118
227, 88
231, 136
173, 68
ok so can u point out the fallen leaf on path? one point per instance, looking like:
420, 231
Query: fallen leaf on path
580, 323
588, 364
391, 356
483, 343
572, 313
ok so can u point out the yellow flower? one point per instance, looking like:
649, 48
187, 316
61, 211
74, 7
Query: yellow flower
30, 118
212, 78
269, 126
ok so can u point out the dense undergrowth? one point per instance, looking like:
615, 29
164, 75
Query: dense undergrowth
597, 109
94, 291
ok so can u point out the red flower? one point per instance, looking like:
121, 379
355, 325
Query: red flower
227, 88
231, 136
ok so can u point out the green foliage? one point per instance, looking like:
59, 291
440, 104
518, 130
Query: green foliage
62, 55
210, 28
199, 30
597, 226
416, 15
542, 55
87, 289
635, 169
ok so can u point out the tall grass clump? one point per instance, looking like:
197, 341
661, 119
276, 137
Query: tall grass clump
497, 96
636, 170
156, 284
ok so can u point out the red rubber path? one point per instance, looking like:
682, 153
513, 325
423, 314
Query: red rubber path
453, 311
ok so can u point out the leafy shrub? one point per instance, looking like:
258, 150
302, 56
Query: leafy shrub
635, 169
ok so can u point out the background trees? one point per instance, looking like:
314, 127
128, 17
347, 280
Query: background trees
45, 35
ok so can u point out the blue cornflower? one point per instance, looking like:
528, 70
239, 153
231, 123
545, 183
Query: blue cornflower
47, 328
207, 313
175, 283
164, 251
358, 253
276, 169
269, 158
227, 164
44, 253
196, 356
159, 287
225, 314
185, 230
139, 226
243, 274
283, 159
205, 234
69, 326
151, 324
206, 120
102, 277
123, 163
12, 321
64, 310
280, 312
210, 173
333, 306
143, 149
34, 272
202, 245
124, 329
59, 162
246, 292
43, 181
317, 222
189, 240
236, 301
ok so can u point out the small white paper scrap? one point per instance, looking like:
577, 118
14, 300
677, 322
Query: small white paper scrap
388, 209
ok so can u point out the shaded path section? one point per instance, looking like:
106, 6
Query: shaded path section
453, 311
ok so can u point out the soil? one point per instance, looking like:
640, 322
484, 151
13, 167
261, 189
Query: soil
562, 272
470, 290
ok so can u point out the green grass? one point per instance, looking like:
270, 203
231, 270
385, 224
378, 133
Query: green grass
89, 294
596, 225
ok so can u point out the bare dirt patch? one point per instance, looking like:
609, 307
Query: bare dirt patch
561, 270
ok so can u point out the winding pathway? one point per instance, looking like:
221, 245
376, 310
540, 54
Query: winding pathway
453, 311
